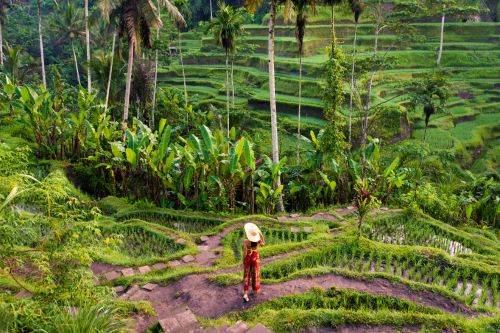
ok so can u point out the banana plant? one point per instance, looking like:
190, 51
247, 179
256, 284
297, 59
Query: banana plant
328, 190
267, 197
41, 115
8, 96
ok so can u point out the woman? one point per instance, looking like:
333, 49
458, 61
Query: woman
251, 259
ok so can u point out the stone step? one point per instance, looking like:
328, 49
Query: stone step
179, 323
188, 258
149, 286
239, 327
160, 265
113, 275
259, 328
130, 292
128, 272
144, 269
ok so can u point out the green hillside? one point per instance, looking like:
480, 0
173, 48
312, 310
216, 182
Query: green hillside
471, 58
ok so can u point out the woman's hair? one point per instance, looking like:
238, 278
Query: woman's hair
254, 244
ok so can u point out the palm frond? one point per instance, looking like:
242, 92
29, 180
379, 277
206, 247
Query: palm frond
173, 11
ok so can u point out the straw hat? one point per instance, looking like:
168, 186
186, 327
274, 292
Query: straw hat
253, 232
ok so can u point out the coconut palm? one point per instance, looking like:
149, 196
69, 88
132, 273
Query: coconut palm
226, 27
300, 7
68, 26
357, 7
136, 19
332, 3
252, 6
4, 5
183, 7
87, 43
40, 38
104, 73
18, 64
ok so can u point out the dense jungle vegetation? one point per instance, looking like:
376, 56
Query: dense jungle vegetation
137, 136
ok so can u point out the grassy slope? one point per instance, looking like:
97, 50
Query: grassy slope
469, 124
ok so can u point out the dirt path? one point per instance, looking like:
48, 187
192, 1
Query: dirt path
209, 300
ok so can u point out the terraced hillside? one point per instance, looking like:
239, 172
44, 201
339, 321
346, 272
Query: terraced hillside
469, 126
410, 273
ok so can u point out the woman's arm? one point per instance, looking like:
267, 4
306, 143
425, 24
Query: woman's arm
262, 242
244, 248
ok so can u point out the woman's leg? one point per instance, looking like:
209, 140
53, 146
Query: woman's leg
246, 278
256, 276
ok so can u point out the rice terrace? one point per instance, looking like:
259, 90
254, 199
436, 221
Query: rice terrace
249, 166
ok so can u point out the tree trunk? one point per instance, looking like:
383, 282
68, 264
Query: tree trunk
300, 106
182, 68
40, 37
76, 62
152, 119
441, 38
352, 84
110, 72
87, 42
333, 25
368, 96
211, 16
227, 91
425, 133
252, 194
127, 87
232, 82
360, 222
272, 96
1, 45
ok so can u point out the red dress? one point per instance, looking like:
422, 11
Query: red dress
251, 270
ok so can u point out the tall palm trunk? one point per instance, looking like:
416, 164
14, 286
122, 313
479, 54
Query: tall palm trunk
87, 41
272, 96
368, 96
211, 15
232, 82
300, 105
440, 53
182, 69
333, 25
227, 91
352, 84
127, 87
1, 44
76, 62
110, 72
152, 120
40, 37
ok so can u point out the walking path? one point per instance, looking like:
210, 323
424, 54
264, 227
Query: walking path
178, 304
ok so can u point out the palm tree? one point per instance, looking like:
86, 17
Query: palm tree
103, 73
183, 7
378, 11
441, 36
252, 6
18, 64
357, 7
136, 19
300, 7
68, 25
40, 38
4, 5
87, 42
332, 3
226, 27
